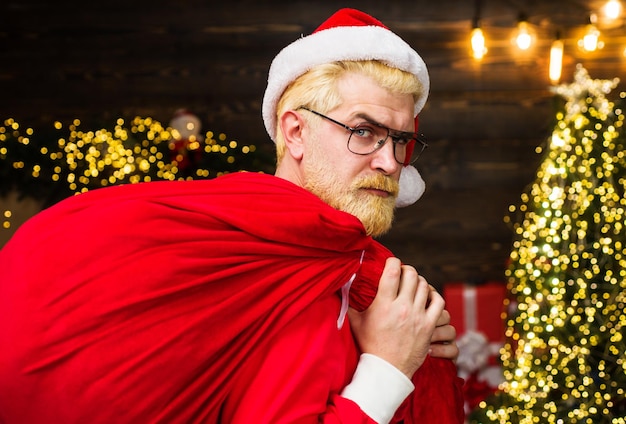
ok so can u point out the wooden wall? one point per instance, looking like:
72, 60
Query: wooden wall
102, 60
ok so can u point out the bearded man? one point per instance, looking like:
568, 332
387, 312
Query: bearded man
248, 298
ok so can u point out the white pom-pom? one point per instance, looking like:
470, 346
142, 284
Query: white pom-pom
412, 187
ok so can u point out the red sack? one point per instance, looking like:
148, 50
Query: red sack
137, 303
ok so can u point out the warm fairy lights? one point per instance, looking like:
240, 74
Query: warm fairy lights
590, 42
612, 9
74, 160
524, 36
564, 361
585, 38
556, 60
6, 223
478, 43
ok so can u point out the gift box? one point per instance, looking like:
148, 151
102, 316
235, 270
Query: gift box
477, 313
477, 307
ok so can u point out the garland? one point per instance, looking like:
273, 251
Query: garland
54, 163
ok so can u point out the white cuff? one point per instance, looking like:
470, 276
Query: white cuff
378, 388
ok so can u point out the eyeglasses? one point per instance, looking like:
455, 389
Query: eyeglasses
367, 137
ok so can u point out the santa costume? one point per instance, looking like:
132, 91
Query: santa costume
202, 301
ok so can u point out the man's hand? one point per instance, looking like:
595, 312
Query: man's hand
443, 341
399, 324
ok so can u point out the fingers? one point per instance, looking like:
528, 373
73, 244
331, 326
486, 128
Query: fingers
409, 283
436, 303
444, 350
415, 289
444, 318
422, 293
444, 333
403, 282
398, 325
443, 344
390, 279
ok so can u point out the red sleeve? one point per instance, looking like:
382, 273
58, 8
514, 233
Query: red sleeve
299, 375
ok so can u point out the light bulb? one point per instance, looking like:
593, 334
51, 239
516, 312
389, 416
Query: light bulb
590, 41
478, 43
613, 9
556, 60
523, 39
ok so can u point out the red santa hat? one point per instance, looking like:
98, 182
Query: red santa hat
348, 34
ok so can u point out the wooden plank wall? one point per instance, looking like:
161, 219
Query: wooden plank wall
103, 60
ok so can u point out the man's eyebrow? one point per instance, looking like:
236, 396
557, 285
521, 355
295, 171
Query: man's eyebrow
368, 118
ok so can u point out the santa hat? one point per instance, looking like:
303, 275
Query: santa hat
348, 34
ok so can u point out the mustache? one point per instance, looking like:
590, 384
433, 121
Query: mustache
379, 182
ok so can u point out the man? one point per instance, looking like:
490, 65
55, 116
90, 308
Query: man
249, 298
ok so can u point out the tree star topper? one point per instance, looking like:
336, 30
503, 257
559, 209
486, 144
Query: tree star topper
583, 86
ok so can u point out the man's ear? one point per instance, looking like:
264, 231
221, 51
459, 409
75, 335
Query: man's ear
293, 126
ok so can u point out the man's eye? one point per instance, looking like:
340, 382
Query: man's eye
364, 132
400, 139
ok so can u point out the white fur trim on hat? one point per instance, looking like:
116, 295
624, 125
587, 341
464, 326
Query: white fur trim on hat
339, 43
412, 187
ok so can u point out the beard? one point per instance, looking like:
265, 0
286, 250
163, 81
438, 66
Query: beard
376, 213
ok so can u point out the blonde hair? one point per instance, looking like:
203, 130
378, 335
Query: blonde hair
317, 89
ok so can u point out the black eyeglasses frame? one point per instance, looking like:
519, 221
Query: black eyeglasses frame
391, 133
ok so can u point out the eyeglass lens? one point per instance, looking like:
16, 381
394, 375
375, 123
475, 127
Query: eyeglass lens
366, 138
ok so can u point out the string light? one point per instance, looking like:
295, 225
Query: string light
6, 223
590, 41
523, 34
477, 38
556, 59
612, 9
140, 150
478, 42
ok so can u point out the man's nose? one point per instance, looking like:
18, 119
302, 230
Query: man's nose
384, 159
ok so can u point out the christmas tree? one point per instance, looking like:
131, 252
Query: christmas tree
564, 360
